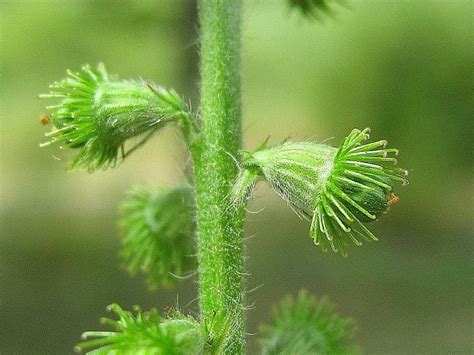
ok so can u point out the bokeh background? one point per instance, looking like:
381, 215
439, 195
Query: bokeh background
403, 68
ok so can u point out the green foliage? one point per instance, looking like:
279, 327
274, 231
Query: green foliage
97, 114
313, 8
307, 326
337, 189
158, 233
146, 333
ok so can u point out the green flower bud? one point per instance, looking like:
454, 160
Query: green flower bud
97, 114
158, 233
146, 333
304, 325
337, 189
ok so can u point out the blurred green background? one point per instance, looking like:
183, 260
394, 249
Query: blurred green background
403, 68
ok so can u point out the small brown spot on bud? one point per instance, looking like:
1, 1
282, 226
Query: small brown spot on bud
44, 119
392, 199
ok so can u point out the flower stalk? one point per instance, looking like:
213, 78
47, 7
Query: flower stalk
220, 229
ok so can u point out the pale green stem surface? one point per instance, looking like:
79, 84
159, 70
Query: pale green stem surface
220, 228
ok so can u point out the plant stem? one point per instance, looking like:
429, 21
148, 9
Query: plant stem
220, 228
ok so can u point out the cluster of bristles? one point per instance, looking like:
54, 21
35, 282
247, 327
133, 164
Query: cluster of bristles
358, 170
74, 121
76, 93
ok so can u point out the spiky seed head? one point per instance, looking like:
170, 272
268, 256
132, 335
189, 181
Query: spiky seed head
96, 114
337, 189
305, 325
142, 332
158, 233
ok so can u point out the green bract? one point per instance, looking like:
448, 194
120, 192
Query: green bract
337, 189
158, 233
146, 333
97, 114
307, 326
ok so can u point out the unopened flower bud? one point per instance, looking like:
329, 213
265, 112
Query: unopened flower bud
158, 233
96, 114
336, 188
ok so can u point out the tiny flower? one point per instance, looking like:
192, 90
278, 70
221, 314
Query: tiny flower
337, 189
96, 115
158, 233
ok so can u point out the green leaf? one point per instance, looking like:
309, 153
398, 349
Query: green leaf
337, 189
158, 233
146, 333
97, 115
307, 326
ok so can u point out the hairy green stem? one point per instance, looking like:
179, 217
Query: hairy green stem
220, 228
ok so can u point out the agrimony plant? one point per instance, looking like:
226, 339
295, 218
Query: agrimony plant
338, 190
